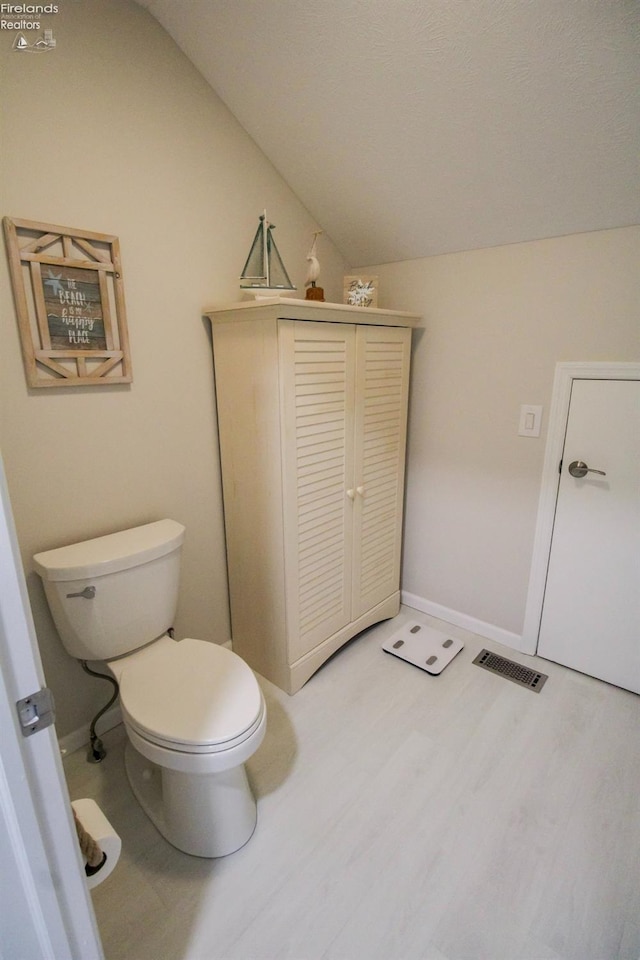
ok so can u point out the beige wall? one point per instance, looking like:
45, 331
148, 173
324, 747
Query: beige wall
496, 321
115, 131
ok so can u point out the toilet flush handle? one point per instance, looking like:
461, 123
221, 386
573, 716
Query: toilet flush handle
88, 593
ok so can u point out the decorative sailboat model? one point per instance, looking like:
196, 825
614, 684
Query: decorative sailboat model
264, 270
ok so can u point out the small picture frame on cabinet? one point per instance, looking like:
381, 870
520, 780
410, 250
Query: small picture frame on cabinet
361, 290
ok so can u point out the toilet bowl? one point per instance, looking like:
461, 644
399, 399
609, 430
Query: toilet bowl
185, 756
193, 711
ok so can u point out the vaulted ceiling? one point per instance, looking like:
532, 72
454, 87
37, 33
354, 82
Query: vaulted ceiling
410, 128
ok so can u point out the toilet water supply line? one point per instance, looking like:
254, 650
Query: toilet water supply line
97, 750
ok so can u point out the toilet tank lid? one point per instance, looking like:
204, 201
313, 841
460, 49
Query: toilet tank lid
109, 554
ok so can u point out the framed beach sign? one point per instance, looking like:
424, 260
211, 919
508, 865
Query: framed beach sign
69, 298
361, 291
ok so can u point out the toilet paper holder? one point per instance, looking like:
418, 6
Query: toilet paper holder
94, 824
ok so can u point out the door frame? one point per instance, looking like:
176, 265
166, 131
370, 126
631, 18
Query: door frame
565, 373
49, 913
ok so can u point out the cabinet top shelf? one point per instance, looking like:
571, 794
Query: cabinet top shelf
286, 308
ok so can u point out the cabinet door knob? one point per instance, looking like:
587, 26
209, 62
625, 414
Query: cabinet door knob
361, 491
351, 494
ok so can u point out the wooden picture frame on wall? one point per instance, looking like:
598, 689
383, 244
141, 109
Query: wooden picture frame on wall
69, 298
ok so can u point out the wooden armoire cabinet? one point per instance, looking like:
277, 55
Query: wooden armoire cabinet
312, 417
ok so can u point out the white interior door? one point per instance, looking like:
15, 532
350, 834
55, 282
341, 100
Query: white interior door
46, 911
591, 612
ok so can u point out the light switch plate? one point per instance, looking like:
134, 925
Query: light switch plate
530, 420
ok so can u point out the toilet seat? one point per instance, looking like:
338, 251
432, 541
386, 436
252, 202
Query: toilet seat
194, 748
190, 696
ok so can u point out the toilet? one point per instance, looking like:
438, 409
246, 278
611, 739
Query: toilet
193, 711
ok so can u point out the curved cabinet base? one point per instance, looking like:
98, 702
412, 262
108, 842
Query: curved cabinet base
305, 667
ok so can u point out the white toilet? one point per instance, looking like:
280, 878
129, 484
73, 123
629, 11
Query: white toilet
193, 711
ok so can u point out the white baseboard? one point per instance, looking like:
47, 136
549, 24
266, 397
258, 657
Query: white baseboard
80, 738
487, 630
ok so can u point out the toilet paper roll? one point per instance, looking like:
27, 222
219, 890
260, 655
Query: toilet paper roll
94, 822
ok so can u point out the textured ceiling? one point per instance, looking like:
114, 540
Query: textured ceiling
415, 127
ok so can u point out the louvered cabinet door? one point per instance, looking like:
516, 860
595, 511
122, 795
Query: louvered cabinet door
383, 357
317, 366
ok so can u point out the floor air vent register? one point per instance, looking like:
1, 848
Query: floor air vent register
523, 676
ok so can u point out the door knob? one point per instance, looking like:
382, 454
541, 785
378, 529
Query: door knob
579, 469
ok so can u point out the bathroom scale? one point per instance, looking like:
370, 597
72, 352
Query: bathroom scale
423, 646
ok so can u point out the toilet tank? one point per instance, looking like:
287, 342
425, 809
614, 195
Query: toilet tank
113, 594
